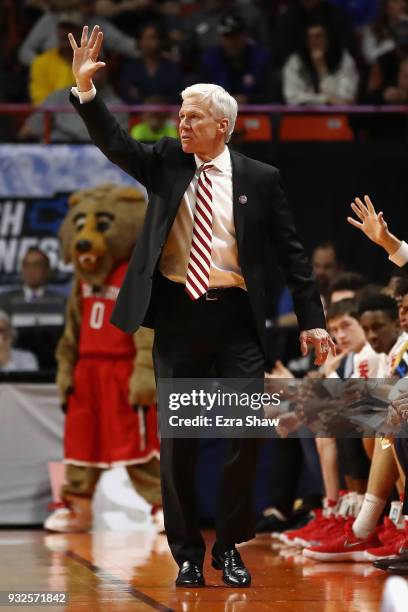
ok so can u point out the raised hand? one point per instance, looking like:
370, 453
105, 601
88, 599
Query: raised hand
85, 59
373, 225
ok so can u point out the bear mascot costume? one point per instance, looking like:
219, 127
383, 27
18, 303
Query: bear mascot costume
105, 377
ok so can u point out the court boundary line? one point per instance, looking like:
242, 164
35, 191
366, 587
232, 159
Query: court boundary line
95, 569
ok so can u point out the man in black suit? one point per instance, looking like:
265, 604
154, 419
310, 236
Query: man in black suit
35, 272
197, 275
36, 312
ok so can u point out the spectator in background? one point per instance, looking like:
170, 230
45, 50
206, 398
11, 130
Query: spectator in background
128, 15
35, 311
384, 72
392, 127
239, 64
202, 26
322, 72
68, 127
377, 38
389, 85
154, 124
12, 360
152, 74
326, 267
32, 10
301, 13
52, 70
44, 34
35, 272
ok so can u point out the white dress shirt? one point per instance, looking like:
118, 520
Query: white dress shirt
32, 294
225, 270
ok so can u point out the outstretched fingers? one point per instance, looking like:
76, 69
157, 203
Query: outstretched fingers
84, 37
362, 207
72, 42
93, 36
97, 46
369, 205
357, 210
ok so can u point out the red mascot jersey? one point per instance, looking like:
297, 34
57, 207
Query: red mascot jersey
101, 428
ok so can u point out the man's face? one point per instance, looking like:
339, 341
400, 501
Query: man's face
317, 39
35, 270
199, 130
156, 121
324, 266
403, 313
233, 44
347, 332
380, 330
396, 8
149, 41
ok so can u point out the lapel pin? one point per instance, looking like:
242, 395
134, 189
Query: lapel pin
242, 199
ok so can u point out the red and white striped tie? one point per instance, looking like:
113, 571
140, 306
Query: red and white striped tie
198, 269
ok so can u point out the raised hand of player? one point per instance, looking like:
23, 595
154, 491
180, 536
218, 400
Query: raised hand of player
372, 224
85, 59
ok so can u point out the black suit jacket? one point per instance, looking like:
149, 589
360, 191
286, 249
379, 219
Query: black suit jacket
166, 171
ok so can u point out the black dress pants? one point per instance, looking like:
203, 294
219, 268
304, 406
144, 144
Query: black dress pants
195, 339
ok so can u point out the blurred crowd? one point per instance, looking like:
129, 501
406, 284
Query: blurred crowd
287, 51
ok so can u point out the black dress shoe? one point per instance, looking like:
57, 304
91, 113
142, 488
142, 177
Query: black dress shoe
190, 575
234, 572
384, 564
399, 567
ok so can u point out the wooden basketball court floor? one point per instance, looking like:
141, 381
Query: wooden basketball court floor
122, 572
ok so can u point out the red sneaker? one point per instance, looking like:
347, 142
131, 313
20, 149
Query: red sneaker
389, 531
288, 536
332, 528
394, 547
346, 547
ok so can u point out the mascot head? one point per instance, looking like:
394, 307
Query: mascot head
100, 229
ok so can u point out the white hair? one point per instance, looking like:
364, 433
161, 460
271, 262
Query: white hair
222, 103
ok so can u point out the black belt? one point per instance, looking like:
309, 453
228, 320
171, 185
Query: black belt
217, 293
213, 294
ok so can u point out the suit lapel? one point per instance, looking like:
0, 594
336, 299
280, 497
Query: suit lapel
238, 189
